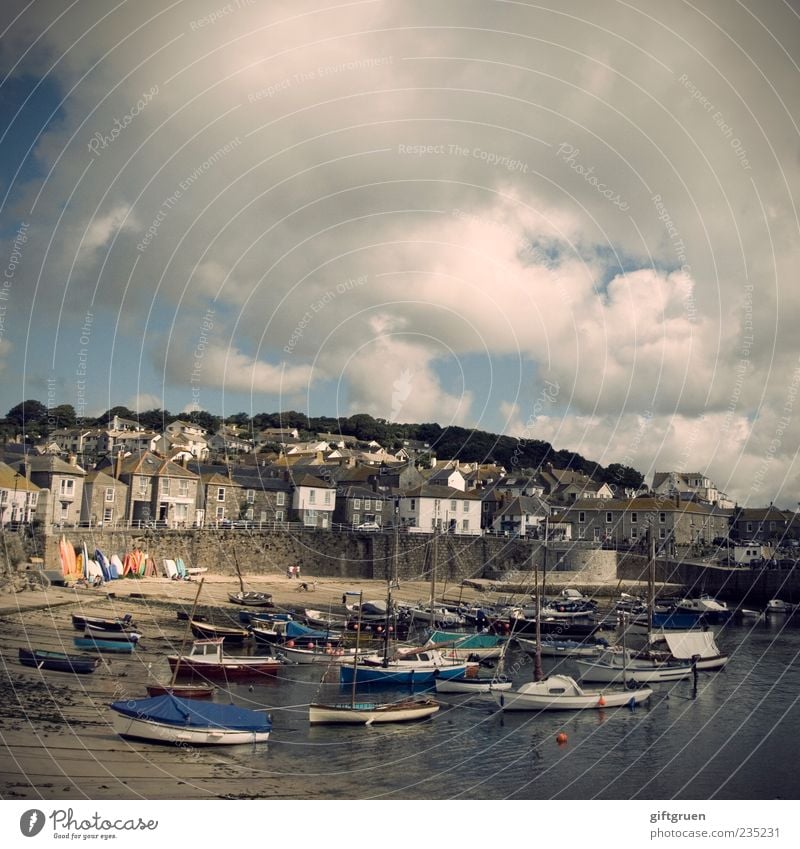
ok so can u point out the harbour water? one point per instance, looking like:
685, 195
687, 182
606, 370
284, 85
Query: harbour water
733, 738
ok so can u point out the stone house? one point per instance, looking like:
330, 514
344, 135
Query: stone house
61, 488
104, 500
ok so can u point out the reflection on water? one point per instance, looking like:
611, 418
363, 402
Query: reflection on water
735, 738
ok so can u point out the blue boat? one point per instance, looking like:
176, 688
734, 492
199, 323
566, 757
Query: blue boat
115, 646
424, 667
675, 620
171, 719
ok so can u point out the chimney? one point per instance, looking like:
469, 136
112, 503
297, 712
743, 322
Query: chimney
118, 465
72, 459
677, 498
319, 456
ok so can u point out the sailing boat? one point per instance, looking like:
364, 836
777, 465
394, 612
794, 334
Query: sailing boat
250, 599
367, 713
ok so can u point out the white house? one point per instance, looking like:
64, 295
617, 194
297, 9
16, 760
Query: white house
18, 496
313, 502
444, 508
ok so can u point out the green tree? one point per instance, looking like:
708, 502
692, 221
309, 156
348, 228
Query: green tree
27, 413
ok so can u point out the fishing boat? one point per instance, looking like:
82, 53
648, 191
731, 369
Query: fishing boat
81, 623
57, 661
560, 692
251, 599
551, 647
367, 713
207, 631
423, 668
97, 644
207, 659
114, 636
171, 719
473, 686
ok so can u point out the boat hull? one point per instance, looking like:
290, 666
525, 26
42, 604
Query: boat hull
471, 685
186, 691
595, 700
365, 714
58, 662
227, 669
397, 675
612, 674
234, 636
110, 646
157, 732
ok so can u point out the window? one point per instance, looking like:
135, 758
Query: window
262, 516
634, 533
634, 518
581, 516
181, 512
312, 496
326, 498
662, 517
249, 514
581, 533
142, 484
3, 496
280, 499
278, 516
250, 496
436, 505
64, 511
108, 515
453, 505
772, 526
165, 486
662, 533
609, 518
310, 517
67, 487
220, 493
465, 506
749, 527
378, 505
413, 503
356, 518
220, 513
109, 493
34, 497
465, 524
356, 504
183, 488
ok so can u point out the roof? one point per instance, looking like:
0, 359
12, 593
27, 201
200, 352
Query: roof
524, 504
433, 491
151, 465
217, 479
11, 479
760, 514
310, 480
101, 477
48, 463
647, 503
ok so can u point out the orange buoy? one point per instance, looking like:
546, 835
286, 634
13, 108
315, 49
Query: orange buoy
290, 644
561, 738
601, 701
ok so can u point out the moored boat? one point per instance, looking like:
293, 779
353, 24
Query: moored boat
473, 686
57, 661
207, 631
617, 666
367, 713
551, 647
423, 668
97, 644
208, 660
776, 605
561, 692
317, 654
251, 599
124, 623
171, 719
114, 636
183, 691
466, 646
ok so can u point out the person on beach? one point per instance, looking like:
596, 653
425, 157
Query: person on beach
297, 571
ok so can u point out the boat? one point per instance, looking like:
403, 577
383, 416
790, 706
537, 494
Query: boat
97, 644
57, 661
281, 631
466, 646
318, 619
523, 621
318, 654
183, 691
424, 667
561, 692
171, 719
207, 631
436, 616
553, 647
568, 608
117, 636
367, 713
776, 605
249, 617
620, 665
251, 599
208, 660
698, 647
80, 623
474, 686
711, 609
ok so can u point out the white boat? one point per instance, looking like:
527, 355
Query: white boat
616, 666
776, 605
170, 719
316, 655
560, 692
687, 645
702, 604
442, 617
562, 648
471, 685
366, 713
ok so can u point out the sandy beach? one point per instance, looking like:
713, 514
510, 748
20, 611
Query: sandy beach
57, 738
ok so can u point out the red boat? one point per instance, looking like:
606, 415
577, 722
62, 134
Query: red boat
207, 660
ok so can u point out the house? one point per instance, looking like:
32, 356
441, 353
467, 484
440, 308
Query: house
218, 498
565, 486
276, 436
104, 500
313, 501
447, 476
521, 516
356, 505
61, 488
690, 486
432, 508
624, 522
766, 524
265, 499
182, 440
228, 440
18, 496
158, 489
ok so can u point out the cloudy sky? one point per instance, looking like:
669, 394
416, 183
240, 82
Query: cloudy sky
571, 221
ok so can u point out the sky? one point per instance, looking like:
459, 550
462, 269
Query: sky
569, 221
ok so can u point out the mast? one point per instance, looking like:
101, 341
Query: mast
386, 626
651, 581
355, 656
433, 577
538, 675
238, 571
185, 635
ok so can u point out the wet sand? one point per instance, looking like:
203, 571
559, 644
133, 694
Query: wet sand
57, 739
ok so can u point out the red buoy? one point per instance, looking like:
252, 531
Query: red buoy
561, 738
